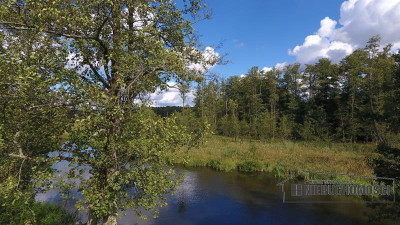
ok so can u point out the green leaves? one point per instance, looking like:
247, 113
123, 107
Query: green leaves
68, 86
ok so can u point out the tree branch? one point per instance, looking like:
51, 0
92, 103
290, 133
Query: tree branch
21, 26
97, 74
102, 44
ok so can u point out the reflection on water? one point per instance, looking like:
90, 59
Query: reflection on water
210, 197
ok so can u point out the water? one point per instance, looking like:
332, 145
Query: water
210, 197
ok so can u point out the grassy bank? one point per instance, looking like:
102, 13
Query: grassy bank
225, 154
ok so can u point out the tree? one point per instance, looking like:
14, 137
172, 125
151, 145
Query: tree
266, 125
285, 127
290, 91
210, 99
184, 88
377, 77
324, 92
252, 86
352, 68
33, 118
117, 50
272, 86
392, 97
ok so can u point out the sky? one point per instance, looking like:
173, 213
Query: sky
268, 33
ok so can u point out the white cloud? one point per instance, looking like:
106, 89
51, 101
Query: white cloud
266, 69
327, 27
359, 21
140, 20
279, 66
171, 97
210, 57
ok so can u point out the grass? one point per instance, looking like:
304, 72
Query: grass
53, 214
278, 157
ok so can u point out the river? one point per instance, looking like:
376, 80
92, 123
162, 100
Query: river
210, 197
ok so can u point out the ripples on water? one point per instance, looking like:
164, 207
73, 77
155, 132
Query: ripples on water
210, 197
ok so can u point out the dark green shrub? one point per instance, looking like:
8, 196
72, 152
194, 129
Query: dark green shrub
386, 163
279, 170
52, 214
250, 167
225, 165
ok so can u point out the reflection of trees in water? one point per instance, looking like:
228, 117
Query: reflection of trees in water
253, 191
258, 196
387, 164
72, 195
187, 191
182, 207
384, 213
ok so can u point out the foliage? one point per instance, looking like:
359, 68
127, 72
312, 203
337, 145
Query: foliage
69, 86
352, 101
386, 163
53, 214
197, 128
16, 205
250, 166
32, 121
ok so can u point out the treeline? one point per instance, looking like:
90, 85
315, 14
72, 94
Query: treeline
356, 100
166, 110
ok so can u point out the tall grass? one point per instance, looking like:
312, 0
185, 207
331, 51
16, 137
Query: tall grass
278, 157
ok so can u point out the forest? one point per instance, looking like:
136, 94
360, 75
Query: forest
356, 100
69, 87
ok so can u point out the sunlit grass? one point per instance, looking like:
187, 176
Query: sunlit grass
278, 157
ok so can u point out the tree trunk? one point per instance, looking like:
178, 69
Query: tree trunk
110, 220
91, 219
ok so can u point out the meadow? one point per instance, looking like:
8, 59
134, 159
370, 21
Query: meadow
277, 157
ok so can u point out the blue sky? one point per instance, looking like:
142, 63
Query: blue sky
260, 32
266, 33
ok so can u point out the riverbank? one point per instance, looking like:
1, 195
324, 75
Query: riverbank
278, 157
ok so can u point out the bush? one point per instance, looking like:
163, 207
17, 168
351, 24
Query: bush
52, 214
386, 163
250, 167
279, 170
224, 165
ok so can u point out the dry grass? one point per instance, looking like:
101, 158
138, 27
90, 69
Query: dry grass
224, 154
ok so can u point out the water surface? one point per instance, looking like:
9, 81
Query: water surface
210, 197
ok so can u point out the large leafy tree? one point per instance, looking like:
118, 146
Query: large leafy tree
116, 50
323, 94
33, 118
378, 79
352, 69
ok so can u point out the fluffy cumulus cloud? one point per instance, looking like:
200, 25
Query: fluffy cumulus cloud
359, 21
266, 69
171, 97
210, 57
279, 66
